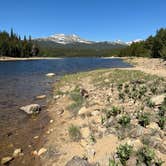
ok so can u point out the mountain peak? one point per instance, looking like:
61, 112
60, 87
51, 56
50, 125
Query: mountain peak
66, 39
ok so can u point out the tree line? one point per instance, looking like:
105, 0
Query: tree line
12, 45
153, 46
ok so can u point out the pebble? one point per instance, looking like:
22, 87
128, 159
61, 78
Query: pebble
59, 112
50, 74
17, 152
35, 153
36, 137
41, 151
51, 121
41, 97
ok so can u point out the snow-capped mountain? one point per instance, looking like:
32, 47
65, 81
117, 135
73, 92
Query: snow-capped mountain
133, 41
65, 39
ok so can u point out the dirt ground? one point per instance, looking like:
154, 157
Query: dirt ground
60, 147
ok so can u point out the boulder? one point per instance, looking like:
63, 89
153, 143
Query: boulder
153, 126
137, 131
6, 160
31, 109
50, 74
77, 161
157, 100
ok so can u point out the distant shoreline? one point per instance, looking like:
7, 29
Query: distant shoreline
22, 59
5, 58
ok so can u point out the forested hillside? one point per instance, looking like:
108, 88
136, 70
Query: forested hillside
49, 48
153, 46
12, 45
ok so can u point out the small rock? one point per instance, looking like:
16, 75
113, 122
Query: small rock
157, 100
137, 131
34, 153
41, 97
83, 143
153, 125
85, 132
31, 109
6, 160
77, 161
137, 144
51, 121
41, 151
95, 113
91, 153
56, 97
132, 161
50, 74
36, 137
84, 93
106, 80
60, 112
17, 152
83, 111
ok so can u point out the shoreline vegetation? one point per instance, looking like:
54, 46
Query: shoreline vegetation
109, 116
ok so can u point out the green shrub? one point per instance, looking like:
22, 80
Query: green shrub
159, 162
78, 101
153, 89
74, 133
112, 112
144, 119
146, 155
143, 90
120, 86
149, 103
126, 90
162, 110
124, 152
103, 119
92, 139
112, 163
161, 122
122, 97
124, 120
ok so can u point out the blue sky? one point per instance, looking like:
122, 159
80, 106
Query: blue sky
97, 20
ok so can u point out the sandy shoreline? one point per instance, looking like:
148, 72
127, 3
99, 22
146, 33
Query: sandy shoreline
23, 59
42, 58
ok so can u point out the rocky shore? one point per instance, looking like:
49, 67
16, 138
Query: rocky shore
109, 117
104, 117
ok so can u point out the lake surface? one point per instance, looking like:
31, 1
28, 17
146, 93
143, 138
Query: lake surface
22, 81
